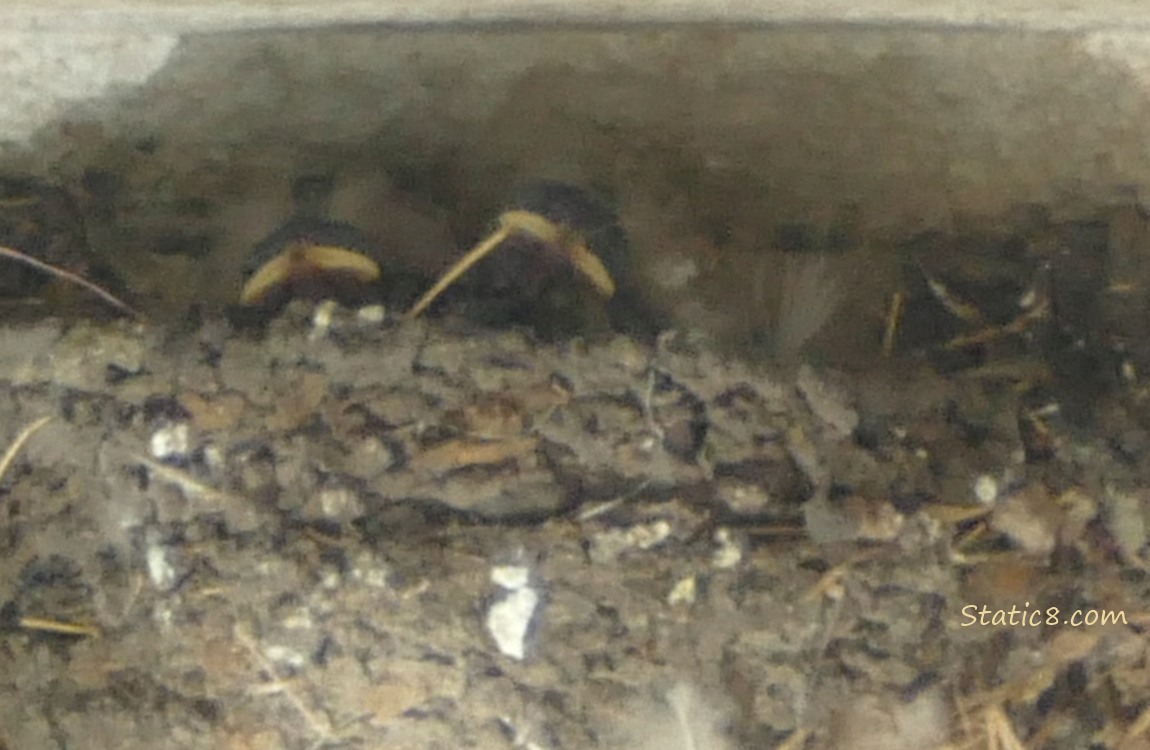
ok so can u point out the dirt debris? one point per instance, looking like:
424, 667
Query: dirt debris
285, 540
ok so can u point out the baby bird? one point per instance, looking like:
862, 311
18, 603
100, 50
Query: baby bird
562, 266
311, 256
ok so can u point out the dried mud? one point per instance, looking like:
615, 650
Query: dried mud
287, 540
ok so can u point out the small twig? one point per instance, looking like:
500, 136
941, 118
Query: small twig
277, 686
1140, 728
893, 318
649, 407
18, 443
1000, 734
58, 272
608, 505
797, 739
185, 481
45, 625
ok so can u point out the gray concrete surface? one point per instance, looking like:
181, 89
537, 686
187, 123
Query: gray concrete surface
185, 15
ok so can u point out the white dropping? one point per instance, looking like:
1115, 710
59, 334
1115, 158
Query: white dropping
512, 577
170, 441
214, 458
509, 616
160, 570
285, 656
684, 592
322, 318
986, 489
607, 546
520, 738
728, 552
646, 536
371, 315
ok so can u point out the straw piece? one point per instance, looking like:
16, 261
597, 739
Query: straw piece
461, 267
18, 443
58, 272
45, 625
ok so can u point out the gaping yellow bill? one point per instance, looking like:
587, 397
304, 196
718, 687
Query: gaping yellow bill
302, 260
569, 242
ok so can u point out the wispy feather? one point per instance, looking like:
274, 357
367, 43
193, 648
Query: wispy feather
810, 295
682, 720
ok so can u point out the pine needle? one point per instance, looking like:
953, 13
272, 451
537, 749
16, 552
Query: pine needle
1140, 728
18, 443
811, 295
68, 276
45, 625
317, 723
688, 722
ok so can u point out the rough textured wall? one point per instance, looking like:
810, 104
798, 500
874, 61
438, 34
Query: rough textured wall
215, 15
715, 140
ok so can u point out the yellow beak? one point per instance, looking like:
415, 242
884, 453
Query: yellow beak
569, 242
301, 260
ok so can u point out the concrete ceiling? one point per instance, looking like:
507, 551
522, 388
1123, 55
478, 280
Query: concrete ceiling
214, 15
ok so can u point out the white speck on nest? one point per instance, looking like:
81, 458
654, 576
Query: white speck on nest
340, 503
170, 441
520, 737
285, 656
606, 546
684, 592
509, 617
511, 577
214, 458
298, 620
728, 552
370, 571
330, 580
160, 570
322, 318
371, 315
986, 489
646, 536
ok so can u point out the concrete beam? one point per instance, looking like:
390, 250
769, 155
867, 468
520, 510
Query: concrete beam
185, 15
